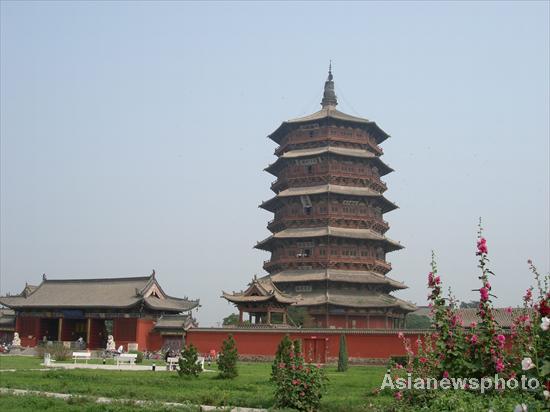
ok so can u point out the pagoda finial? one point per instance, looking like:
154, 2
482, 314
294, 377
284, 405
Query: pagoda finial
329, 97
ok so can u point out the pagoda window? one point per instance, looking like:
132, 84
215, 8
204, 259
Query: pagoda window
322, 252
334, 252
380, 253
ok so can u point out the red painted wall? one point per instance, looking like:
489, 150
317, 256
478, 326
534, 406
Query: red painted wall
28, 328
263, 343
143, 328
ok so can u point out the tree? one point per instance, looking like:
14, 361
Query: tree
232, 319
189, 362
227, 359
343, 355
282, 356
413, 321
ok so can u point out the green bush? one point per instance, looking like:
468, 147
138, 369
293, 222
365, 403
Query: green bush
227, 359
139, 358
59, 352
343, 355
188, 362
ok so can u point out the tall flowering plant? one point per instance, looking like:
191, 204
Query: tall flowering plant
488, 355
299, 385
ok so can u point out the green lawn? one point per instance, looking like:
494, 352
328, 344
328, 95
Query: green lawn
346, 391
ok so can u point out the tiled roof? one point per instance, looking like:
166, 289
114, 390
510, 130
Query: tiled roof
330, 113
174, 322
259, 290
99, 293
329, 231
335, 275
350, 298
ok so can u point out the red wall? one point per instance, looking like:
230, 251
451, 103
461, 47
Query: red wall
361, 345
28, 328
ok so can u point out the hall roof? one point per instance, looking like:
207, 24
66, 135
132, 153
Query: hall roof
335, 275
259, 290
117, 293
309, 232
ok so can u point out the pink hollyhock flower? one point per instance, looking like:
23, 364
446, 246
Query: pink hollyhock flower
398, 395
501, 339
423, 360
302, 394
445, 374
437, 280
473, 324
545, 324
400, 335
499, 366
399, 366
508, 309
487, 285
528, 295
473, 339
481, 246
484, 293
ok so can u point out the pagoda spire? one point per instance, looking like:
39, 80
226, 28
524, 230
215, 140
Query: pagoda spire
329, 97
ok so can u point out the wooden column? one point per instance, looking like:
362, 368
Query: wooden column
88, 331
269, 317
240, 316
60, 329
284, 318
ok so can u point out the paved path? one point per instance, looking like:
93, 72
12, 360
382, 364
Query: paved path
67, 396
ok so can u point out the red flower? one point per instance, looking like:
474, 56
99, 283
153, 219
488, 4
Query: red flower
302, 394
544, 309
423, 360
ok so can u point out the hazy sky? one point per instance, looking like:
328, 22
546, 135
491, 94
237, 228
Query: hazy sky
133, 135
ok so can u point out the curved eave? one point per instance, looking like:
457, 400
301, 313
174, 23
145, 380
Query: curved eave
308, 233
171, 304
255, 299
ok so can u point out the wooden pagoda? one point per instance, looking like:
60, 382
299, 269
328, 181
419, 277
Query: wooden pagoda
328, 241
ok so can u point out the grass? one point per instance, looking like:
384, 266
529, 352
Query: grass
30, 402
346, 391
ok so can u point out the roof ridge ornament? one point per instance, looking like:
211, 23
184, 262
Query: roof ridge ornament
329, 96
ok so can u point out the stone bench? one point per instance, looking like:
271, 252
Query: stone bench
129, 358
82, 355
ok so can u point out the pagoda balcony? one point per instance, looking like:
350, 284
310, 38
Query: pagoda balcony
325, 137
337, 219
335, 262
336, 177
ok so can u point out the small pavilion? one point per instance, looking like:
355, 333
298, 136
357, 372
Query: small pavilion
263, 301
